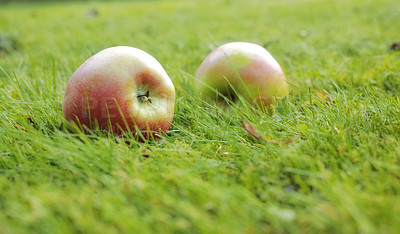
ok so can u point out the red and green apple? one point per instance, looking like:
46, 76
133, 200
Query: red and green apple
242, 68
121, 89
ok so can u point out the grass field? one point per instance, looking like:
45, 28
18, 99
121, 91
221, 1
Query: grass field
340, 174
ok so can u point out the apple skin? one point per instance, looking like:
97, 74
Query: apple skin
248, 68
121, 89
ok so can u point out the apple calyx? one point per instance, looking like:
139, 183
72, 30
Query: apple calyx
144, 97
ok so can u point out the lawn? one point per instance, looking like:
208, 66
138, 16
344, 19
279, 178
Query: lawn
330, 161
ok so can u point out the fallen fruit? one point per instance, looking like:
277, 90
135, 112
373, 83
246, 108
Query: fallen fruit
121, 89
241, 68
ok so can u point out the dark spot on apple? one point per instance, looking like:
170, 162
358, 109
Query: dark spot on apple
395, 46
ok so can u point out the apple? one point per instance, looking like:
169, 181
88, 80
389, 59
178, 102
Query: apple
121, 89
242, 68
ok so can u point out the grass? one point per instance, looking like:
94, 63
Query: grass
340, 175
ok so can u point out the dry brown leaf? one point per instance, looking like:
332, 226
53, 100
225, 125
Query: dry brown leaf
251, 130
321, 95
121, 161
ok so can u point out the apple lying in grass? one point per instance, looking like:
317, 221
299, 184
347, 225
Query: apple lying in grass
121, 89
241, 68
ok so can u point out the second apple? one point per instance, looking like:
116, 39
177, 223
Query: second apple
241, 68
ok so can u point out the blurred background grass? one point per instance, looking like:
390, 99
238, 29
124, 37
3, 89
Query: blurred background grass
208, 175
